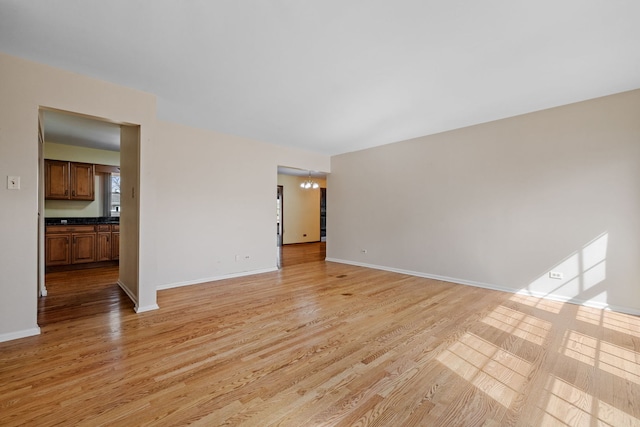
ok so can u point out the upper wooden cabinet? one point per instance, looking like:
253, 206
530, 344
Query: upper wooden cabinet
56, 180
82, 182
69, 180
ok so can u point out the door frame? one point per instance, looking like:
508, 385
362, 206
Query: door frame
42, 287
129, 264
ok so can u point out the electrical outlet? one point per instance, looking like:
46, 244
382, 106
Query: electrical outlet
556, 275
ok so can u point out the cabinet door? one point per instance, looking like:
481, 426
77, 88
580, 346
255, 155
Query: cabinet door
57, 249
56, 181
104, 246
83, 248
115, 245
82, 182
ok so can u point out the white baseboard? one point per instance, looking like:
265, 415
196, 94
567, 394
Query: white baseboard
19, 334
134, 299
146, 308
553, 297
215, 278
578, 301
126, 290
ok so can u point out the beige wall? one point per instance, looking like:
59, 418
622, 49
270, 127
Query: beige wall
503, 203
76, 208
216, 208
301, 212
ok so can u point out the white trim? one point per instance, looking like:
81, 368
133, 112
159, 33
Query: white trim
19, 334
137, 308
146, 308
216, 278
126, 290
585, 303
553, 297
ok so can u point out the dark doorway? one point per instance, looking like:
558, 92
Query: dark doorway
279, 211
323, 214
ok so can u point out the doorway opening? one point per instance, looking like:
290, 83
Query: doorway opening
79, 256
323, 214
301, 228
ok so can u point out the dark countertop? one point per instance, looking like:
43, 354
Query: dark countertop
82, 221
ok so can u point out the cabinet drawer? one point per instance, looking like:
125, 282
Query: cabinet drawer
115, 227
70, 229
103, 227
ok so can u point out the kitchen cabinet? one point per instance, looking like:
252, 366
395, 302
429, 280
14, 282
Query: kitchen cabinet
108, 242
66, 245
69, 180
115, 242
81, 244
83, 248
56, 181
82, 181
57, 249
104, 246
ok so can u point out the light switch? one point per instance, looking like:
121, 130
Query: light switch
13, 182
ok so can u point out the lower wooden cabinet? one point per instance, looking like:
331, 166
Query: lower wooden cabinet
57, 249
115, 245
83, 248
104, 246
81, 244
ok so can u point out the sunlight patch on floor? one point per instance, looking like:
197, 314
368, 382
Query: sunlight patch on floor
494, 371
541, 303
602, 355
611, 320
518, 324
570, 406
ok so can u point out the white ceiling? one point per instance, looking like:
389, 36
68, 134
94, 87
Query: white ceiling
300, 172
70, 129
336, 76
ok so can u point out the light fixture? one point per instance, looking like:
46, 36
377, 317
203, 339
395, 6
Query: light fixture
308, 183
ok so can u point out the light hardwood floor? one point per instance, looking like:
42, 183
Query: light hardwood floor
319, 344
302, 253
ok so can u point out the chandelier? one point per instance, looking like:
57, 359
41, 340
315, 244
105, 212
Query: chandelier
308, 183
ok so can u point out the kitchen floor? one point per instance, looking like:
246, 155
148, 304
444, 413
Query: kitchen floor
76, 294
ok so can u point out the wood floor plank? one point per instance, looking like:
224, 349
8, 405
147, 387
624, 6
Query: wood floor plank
318, 344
